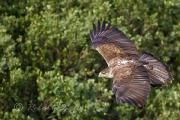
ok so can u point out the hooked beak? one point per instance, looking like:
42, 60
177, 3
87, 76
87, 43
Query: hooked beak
99, 75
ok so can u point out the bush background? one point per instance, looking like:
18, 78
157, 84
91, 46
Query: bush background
48, 70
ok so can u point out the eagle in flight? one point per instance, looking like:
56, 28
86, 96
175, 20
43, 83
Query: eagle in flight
133, 73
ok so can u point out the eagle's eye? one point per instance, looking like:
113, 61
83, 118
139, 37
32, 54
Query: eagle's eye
103, 72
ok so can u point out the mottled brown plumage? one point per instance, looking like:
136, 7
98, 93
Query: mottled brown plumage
132, 74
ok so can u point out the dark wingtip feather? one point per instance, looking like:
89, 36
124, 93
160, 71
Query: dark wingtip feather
103, 26
94, 29
99, 26
91, 35
108, 26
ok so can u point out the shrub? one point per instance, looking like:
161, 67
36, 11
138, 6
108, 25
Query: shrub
48, 70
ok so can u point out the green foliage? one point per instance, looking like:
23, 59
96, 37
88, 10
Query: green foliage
49, 71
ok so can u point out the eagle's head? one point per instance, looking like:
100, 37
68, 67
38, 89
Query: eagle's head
107, 73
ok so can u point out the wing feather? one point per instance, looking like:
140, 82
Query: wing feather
103, 26
111, 43
99, 27
132, 88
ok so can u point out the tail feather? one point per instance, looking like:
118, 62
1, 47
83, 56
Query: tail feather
158, 73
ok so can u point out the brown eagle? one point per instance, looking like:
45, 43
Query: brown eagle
133, 73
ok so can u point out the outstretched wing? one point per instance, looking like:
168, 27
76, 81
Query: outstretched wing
111, 43
158, 72
131, 85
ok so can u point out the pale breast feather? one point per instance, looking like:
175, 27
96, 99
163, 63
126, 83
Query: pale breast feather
121, 62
